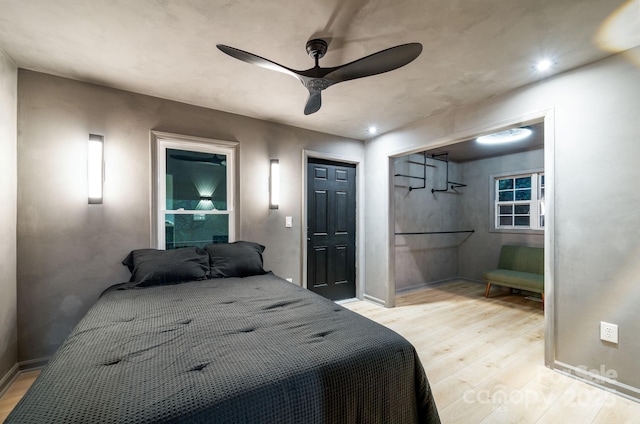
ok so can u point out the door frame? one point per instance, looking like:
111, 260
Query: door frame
358, 162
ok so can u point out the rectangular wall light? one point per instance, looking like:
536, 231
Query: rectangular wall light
274, 184
95, 168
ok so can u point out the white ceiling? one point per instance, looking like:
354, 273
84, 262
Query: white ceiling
473, 49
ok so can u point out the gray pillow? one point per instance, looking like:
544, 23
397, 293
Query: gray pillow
238, 259
153, 267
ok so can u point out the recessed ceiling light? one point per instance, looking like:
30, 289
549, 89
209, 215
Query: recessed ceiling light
544, 65
506, 136
372, 130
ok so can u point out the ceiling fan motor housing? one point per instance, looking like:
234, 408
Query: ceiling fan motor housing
317, 48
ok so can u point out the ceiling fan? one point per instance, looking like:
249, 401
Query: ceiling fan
317, 78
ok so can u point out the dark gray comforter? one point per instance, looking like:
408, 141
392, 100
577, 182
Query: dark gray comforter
236, 350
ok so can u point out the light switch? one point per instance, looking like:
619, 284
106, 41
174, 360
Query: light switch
288, 221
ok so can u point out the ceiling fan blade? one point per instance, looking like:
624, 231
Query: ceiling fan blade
376, 63
256, 60
313, 102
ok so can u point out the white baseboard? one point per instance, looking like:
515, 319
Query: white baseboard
33, 364
597, 379
374, 300
9, 378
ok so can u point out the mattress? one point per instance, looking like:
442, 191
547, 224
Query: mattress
228, 350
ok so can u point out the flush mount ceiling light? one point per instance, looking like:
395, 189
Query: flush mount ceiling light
372, 130
544, 65
506, 136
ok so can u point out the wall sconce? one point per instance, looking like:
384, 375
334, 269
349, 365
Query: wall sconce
274, 184
95, 168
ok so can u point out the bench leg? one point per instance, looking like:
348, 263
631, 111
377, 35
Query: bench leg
486, 292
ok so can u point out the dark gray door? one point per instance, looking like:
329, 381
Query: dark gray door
331, 229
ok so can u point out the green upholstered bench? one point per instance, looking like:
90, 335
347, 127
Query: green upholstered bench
519, 267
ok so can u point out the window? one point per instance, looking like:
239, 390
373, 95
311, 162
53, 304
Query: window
519, 202
194, 186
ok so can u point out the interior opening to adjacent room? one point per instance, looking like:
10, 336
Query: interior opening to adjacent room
450, 220
444, 211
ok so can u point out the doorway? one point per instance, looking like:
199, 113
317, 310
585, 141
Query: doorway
331, 228
546, 117
450, 217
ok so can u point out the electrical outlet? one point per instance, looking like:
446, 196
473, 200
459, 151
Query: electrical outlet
608, 332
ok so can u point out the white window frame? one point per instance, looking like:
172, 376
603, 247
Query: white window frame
160, 142
536, 204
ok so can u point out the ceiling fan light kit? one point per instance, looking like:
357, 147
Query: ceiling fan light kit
318, 78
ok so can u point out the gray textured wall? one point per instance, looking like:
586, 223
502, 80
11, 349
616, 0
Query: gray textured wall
8, 187
425, 258
594, 113
481, 250
69, 251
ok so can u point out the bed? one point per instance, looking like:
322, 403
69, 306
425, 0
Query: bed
233, 349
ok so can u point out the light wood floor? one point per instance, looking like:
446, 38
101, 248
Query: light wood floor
483, 358
19, 387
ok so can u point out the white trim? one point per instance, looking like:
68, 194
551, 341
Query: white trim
160, 141
534, 213
391, 235
375, 300
549, 237
360, 231
598, 380
200, 212
34, 364
21, 367
491, 204
160, 135
345, 301
7, 380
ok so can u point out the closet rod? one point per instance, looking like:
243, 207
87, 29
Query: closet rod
408, 176
436, 232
